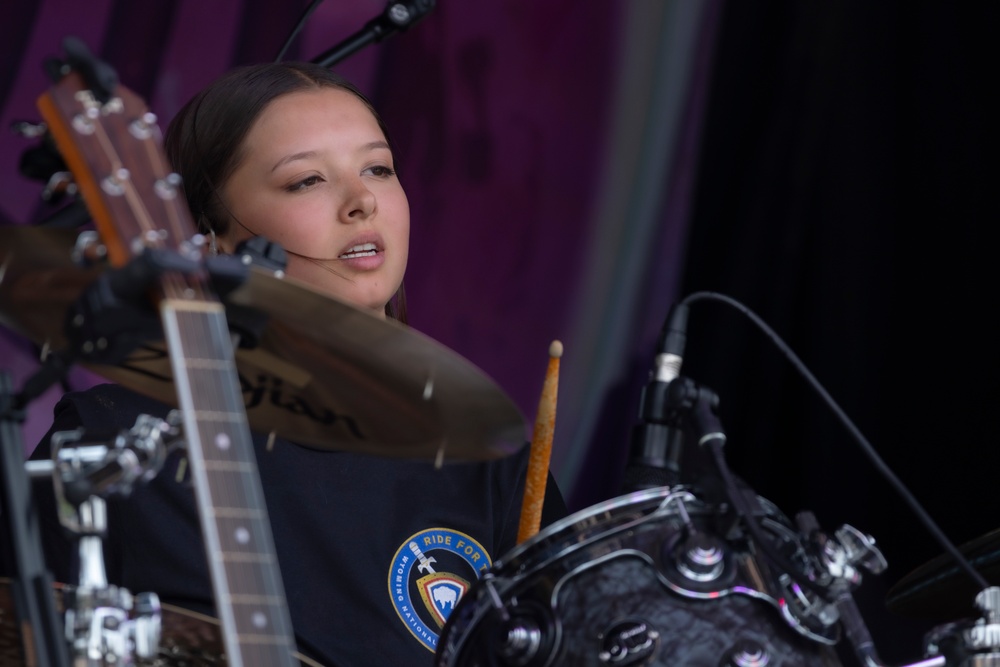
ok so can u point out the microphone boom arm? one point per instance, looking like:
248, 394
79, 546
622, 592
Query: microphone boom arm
398, 16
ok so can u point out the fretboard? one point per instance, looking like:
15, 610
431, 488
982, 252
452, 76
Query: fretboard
249, 595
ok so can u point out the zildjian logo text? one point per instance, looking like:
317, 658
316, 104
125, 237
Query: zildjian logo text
269, 389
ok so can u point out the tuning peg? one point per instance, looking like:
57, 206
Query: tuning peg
28, 130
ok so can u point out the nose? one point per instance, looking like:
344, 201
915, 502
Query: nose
358, 202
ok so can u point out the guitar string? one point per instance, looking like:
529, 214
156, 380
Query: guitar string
196, 331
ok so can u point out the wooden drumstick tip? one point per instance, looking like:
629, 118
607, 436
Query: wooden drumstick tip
556, 349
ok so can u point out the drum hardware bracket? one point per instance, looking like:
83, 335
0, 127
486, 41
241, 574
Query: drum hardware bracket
259, 251
248, 324
969, 643
107, 468
105, 624
839, 560
113, 316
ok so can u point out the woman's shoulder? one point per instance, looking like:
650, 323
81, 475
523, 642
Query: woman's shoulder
106, 405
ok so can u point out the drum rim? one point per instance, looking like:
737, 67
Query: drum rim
634, 499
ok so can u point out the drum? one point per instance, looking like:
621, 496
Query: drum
656, 577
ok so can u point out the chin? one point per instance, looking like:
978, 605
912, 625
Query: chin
359, 298
375, 306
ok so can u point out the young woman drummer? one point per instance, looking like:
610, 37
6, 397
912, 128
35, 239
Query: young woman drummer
292, 152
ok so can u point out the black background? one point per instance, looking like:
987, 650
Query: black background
846, 196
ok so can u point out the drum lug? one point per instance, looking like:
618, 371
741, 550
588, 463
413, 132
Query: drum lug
702, 558
523, 639
748, 654
520, 636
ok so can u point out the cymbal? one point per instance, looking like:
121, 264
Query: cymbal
323, 374
940, 590
187, 637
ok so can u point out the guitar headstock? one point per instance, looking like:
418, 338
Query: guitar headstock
114, 149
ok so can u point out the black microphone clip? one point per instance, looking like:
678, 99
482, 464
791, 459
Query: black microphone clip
399, 15
657, 437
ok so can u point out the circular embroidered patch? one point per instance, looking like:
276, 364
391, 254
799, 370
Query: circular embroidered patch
430, 573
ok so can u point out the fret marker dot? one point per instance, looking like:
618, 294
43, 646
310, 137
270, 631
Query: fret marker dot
222, 441
259, 620
242, 535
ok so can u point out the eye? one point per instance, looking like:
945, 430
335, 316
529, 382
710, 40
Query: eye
303, 184
382, 171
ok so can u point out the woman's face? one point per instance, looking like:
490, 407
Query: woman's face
317, 177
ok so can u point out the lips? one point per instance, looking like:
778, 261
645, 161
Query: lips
363, 245
360, 250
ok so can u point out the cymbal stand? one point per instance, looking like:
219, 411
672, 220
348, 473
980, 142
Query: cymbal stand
32, 582
105, 624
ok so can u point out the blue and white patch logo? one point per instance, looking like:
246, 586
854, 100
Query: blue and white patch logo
430, 573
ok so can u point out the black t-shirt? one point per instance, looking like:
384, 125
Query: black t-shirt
343, 524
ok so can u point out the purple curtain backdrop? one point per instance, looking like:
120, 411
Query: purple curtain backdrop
504, 116
828, 164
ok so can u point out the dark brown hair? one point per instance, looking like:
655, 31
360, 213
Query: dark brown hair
204, 141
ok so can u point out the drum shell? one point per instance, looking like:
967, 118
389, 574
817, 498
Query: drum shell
601, 579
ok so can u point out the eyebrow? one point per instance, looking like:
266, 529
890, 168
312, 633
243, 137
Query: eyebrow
304, 155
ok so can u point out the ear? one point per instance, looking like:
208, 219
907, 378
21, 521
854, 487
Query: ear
217, 243
225, 245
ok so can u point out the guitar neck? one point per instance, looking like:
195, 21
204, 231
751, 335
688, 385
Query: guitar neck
112, 145
246, 580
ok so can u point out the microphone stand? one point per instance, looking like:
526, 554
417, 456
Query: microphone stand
31, 583
346, 48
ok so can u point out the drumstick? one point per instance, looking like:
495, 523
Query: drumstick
541, 449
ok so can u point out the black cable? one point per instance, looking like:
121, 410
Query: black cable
880, 465
298, 28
